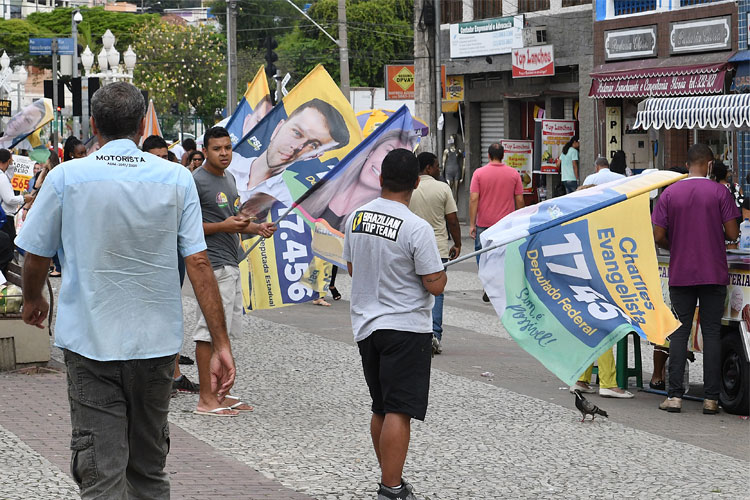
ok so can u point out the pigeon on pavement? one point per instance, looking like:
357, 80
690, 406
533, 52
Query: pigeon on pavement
586, 407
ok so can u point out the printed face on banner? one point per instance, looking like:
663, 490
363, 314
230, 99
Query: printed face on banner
288, 151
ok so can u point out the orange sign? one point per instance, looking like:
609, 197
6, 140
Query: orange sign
399, 81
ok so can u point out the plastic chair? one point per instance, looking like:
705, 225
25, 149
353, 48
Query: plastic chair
624, 372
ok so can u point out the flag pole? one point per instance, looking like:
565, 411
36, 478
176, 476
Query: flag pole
257, 242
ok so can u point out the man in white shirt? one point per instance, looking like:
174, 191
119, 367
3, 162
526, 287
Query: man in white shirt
602, 176
10, 201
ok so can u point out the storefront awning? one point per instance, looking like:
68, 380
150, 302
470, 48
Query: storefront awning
636, 79
731, 111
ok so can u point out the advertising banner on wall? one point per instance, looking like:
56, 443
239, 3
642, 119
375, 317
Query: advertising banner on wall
555, 133
533, 61
399, 81
614, 130
486, 37
520, 155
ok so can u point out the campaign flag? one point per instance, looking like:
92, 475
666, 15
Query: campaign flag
352, 183
152, 123
254, 105
26, 121
370, 119
575, 274
290, 149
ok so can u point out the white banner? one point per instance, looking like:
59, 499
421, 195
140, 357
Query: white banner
486, 37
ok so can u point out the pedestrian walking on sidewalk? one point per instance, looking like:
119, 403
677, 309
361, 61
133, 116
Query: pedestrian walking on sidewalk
220, 203
395, 267
433, 201
118, 218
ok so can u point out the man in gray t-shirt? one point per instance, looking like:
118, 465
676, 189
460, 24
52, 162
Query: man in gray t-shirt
393, 259
221, 225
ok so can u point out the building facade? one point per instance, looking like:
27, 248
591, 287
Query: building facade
660, 48
498, 104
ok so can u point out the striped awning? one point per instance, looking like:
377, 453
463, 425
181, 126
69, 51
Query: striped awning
730, 111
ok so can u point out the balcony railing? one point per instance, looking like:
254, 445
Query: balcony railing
624, 7
573, 3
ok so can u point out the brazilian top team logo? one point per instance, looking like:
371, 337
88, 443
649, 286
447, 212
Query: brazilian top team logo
376, 224
221, 200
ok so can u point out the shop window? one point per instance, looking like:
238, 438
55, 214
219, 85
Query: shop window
623, 7
688, 3
532, 5
573, 3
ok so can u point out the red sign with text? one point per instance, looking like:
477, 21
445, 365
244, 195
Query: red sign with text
533, 61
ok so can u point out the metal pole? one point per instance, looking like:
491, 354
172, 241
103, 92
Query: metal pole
438, 84
231, 56
54, 92
84, 108
343, 50
74, 31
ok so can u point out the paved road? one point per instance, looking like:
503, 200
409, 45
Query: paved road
514, 435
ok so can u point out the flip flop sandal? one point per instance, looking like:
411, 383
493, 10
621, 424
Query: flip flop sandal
237, 404
334, 293
216, 412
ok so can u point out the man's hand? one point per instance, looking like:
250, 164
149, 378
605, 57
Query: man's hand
473, 232
222, 371
35, 311
234, 224
454, 252
264, 229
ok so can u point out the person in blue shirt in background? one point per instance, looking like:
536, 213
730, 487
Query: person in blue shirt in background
118, 219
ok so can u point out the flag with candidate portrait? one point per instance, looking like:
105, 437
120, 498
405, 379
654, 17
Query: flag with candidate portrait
352, 183
25, 122
573, 275
254, 105
290, 149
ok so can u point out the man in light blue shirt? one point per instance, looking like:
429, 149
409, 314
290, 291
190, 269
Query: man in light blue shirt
603, 174
117, 219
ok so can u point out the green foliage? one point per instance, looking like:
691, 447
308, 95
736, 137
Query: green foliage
183, 65
95, 22
14, 39
258, 18
379, 32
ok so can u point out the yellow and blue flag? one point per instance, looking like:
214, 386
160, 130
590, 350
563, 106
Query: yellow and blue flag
573, 275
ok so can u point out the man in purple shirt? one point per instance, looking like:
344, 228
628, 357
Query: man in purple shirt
692, 219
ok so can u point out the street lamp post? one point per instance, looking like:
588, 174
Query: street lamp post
21, 77
108, 61
77, 18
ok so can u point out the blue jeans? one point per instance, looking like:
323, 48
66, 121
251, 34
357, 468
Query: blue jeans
437, 314
477, 241
118, 414
570, 186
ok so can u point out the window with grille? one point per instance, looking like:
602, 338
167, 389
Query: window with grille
688, 3
451, 11
573, 3
532, 5
485, 9
623, 7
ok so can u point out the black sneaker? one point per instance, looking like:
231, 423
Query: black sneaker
403, 492
183, 384
185, 360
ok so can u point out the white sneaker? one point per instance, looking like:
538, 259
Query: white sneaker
586, 390
609, 393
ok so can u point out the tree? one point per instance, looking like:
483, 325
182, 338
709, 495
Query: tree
14, 39
258, 18
181, 65
95, 22
380, 32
